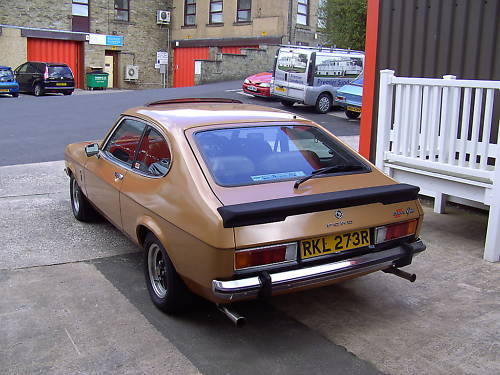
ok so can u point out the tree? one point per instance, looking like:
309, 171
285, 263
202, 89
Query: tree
343, 23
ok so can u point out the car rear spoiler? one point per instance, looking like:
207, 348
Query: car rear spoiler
275, 210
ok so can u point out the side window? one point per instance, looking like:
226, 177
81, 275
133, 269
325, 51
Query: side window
23, 68
31, 68
154, 154
125, 140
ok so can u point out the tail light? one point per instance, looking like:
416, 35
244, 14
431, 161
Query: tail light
340, 98
394, 231
263, 256
46, 74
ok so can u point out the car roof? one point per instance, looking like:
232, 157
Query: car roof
185, 115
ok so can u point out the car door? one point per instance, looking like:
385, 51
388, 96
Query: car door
146, 189
104, 174
21, 76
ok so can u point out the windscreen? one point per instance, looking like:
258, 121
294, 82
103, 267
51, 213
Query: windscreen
6, 75
253, 155
358, 81
60, 71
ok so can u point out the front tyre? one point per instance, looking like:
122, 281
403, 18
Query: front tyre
324, 103
81, 207
165, 287
67, 92
15, 94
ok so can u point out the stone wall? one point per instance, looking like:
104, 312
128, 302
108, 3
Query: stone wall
234, 66
12, 47
142, 36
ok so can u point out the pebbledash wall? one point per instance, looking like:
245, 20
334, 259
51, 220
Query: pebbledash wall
142, 36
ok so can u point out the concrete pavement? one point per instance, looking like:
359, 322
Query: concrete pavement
73, 300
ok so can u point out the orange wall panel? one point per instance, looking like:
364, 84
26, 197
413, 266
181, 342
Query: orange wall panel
57, 51
184, 64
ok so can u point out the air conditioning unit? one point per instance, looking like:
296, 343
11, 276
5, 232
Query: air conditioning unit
131, 72
162, 17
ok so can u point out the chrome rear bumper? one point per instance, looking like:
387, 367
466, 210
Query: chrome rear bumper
234, 290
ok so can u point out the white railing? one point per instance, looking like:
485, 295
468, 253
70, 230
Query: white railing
442, 130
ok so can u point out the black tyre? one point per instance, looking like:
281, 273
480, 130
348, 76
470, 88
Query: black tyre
38, 90
351, 114
15, 94
287, 103
323, 103
67, 92
165, 287
81, 207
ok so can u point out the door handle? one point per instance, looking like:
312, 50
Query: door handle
118, 176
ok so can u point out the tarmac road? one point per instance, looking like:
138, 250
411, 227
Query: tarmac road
37, 129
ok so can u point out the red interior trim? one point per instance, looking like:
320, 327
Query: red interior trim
369, 77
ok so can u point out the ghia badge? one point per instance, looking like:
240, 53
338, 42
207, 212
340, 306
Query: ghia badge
401, 212
339, 215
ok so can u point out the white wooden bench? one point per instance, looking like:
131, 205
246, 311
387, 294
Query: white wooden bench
439, 134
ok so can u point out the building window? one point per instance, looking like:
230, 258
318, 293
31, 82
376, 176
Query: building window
80, 8
303, 12
215, 12
189, 12
122, 10
244, 12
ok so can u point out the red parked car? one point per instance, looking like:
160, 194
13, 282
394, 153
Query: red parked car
259, 84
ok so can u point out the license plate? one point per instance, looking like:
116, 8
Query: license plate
252, 88
334, 243
60, 84
281, 89
4, 90
353, 109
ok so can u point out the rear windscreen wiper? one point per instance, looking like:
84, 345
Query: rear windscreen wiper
333, 168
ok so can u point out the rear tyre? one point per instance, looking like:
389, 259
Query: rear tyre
81, 207
67, 92
287, 103
15, 94
352, 115
38, 90
165, 287
324, 103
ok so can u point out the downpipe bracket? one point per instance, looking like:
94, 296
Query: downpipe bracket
411, 277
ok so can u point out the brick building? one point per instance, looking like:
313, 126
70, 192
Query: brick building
205, 30
112, 34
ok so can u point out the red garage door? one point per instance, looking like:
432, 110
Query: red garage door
58, 51
236, 49
184, 64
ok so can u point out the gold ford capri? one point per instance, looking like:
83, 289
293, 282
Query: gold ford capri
233, 201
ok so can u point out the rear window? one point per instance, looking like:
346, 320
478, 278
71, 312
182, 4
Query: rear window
254, 155
358, 81
6, 75
60, 71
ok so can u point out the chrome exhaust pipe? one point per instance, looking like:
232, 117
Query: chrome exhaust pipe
238, 320
411, 277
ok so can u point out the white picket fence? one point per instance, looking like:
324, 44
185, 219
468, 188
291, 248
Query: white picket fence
438, 134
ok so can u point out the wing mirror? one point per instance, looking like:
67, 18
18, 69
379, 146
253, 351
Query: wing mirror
92, 149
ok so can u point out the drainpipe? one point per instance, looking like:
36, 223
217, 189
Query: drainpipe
290, 13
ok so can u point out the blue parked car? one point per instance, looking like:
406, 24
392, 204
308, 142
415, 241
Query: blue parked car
8, 83
349, 97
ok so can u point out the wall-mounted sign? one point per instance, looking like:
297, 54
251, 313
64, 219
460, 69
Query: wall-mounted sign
106, 40
161, 57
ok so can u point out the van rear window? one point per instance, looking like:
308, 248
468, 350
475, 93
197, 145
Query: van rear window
60, 71
262, 154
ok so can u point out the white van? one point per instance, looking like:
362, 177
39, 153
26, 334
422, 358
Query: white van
312, 75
